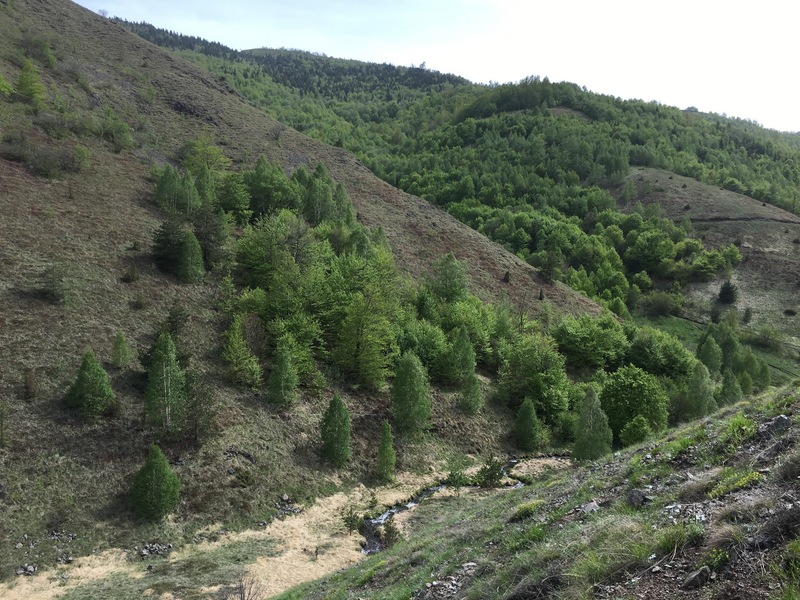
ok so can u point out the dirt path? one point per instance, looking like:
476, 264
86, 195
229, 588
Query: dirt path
309, 545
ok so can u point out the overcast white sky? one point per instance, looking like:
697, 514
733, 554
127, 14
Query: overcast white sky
726, 57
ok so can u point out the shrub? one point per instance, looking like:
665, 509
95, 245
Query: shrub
156, 488
630, 392
526, 510
115, 130
731, 391
30, 88
490, 474
91, 393
6, 90
635, 431
335, 432
243, 367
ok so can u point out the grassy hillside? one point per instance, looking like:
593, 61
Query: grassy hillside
95, 125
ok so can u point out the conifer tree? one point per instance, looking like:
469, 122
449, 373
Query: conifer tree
411, 403
283, 380
190, 267
696, 399
91, 393
470, 398
710, 354
527, 427
121, 353
156, 488
386, 454
30, 87
731, 392
335, 432
165, 395
594, 436
243, 367
746, 384
462, 356
167, 244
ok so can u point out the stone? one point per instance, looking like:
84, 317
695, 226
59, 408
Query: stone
590, 507
636, 498
697, 578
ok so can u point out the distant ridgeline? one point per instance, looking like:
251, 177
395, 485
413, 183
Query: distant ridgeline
529, 165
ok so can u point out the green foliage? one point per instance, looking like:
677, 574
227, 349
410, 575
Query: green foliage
736, 431
731, 480
30, 88
270, 190
595, 342
201, 153
211, 228
457, 479
386, 454
113, 129
165, 396
660, 353
635, 431
168, 244
121, 352
234, 198
352, 520
630, 392
243, 367
490, 474
189, 267
431, 345
470, 398
283, 380
528, 434
335, 431
695, 398
593, 435
710, 354
462, 356
526, 510
731, 391
449, 280
533, 368
411, 402
91, 393
6, 89
728, 293
156, 487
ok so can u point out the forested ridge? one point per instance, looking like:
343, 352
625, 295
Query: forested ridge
208, 332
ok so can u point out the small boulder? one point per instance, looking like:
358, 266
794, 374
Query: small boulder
697, 578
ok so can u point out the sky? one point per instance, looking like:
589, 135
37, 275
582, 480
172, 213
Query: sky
729, 57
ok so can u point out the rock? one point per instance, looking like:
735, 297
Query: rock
774, 426
30, 569
285, 497
697, 579
20, 571
636, 498
18, 546
590, 507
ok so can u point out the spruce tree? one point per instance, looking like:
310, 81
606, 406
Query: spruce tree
746, 384
156, 488
190, 267
243, 367
282, 384
91, 393
470, 398
335, 432
731, 392
386, 454
462, 356
411, 403
165, 395
594, 436
121, 353
710, 354
167, 245
527, 427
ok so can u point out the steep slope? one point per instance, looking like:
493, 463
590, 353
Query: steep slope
767, 236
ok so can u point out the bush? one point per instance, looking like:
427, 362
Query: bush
91, 394
115, 130
630, 392
156, 488
30, 88
243, 367
635, 431
470, 398
490, 474
593, 434
6, 90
